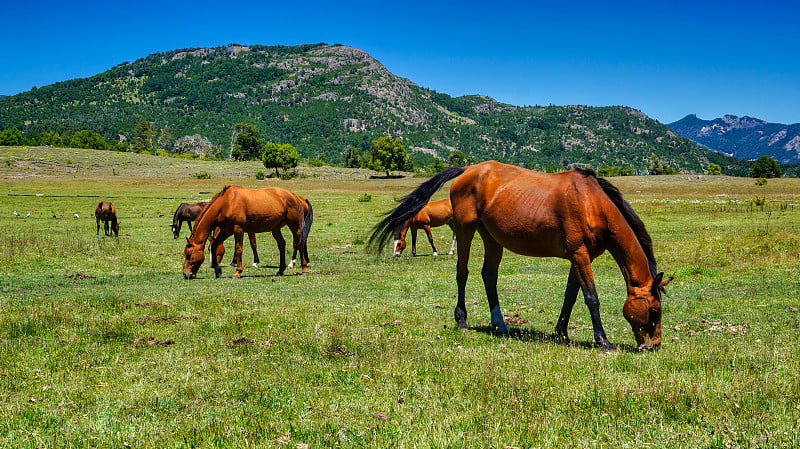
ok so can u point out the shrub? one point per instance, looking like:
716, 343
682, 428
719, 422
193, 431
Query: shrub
203, 175
761, 181
260, 175
365, 198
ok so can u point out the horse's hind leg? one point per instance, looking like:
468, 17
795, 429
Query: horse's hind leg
413, 242
106, 228
281, 250
427, 229
493, 254
253, 246
453, 244
570, 296
98, 226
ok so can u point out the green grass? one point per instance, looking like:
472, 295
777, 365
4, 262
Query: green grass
103, 343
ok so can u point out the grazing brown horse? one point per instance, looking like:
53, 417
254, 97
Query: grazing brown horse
106, 213
236, 210
572, 215
434, 214
189, 212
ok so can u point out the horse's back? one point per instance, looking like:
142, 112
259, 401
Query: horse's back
529, 212
105, 210
261, 210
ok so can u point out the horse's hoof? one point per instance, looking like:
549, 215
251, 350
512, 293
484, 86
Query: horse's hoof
255, 265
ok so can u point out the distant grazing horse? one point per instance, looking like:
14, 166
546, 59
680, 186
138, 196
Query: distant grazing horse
434, 214
189, 212
106, 213
236, 210
572, 215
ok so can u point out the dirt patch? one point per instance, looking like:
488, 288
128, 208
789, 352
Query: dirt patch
165, 319
151, 304
515, 320
79, 275
150, 341
244, 341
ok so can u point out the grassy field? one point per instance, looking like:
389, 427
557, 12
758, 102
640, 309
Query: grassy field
104, 344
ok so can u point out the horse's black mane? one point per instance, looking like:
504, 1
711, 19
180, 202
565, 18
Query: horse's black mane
633, 220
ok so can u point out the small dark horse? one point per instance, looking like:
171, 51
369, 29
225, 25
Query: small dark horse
106, 213
572, 215
185, 213
189, 212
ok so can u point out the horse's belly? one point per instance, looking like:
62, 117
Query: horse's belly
533, 241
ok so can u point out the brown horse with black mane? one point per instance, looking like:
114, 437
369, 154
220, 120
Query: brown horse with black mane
106, 213
434, 214
571, 215
236, 210
189, 212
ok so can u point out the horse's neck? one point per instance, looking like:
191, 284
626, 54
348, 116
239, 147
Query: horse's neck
204, 225
630, 257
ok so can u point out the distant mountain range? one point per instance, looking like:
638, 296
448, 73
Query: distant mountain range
743, 137
323, 98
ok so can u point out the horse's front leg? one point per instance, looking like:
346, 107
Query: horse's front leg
583, 266
413, 242
570, 296
493, 254
253, 246
281, 242
453, 244
238, 237
217, 250
98, 226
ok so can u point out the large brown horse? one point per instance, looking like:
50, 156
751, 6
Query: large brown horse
434, 214
106, 213
572, 215
189, 212
236, 210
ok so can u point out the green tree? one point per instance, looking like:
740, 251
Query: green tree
279, 156
143, 135
766, 167
88, 139
656, 167
166, 140
10, 137
714, 169
388, 154
352, 157
247, 144
458, 159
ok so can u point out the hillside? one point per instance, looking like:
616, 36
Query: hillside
322, 98
743, 137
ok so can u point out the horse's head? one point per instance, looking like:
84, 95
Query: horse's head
399, 244
642, 309
175, 233
193, 256
115, 228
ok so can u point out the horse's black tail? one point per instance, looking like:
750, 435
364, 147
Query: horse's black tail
307, 221
409, 206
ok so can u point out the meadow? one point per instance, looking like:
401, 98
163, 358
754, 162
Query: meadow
104, 344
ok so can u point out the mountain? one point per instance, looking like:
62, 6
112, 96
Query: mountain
743, 137
322, 98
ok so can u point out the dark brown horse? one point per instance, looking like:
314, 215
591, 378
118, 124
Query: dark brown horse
434, 214
189, 212
572, 215
236, 210
106, 213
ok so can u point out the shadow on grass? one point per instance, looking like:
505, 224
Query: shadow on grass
532, 335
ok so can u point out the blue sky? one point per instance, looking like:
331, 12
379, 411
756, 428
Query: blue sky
667, 59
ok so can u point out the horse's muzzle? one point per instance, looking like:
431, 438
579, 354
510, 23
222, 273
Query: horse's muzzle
189, 275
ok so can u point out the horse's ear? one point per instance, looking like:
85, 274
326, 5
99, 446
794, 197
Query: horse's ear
188, 241
659, 283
